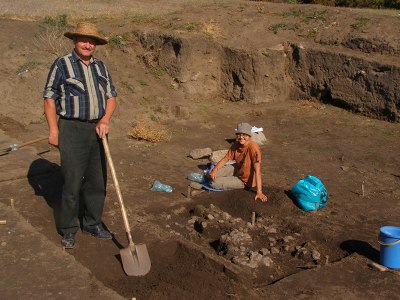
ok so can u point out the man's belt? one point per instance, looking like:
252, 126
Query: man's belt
80, 120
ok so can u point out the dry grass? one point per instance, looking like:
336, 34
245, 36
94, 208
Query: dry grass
148, 131
211, 29
52, 40
88, 9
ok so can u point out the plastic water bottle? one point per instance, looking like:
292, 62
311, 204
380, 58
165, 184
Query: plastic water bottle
196, 177
160, 187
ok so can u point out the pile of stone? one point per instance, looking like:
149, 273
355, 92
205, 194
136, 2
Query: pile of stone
308, 251
237, 242
213, 215
236, 246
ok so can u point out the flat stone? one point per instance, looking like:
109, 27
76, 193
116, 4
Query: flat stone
210, 217
315, 255
259, 138
226, 216
288, 238
275, 250
200, 153
267, 261
264, 251
217, 155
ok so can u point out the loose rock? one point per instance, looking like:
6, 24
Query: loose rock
200, 153
315, 255
266, 261
275, 250
216, 156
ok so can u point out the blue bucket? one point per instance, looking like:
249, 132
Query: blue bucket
389, 239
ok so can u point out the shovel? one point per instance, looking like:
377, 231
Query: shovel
135, 258
15, 147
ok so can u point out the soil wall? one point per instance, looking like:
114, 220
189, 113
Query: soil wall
205, 68
355, 83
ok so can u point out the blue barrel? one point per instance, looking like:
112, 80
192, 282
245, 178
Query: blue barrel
389, 239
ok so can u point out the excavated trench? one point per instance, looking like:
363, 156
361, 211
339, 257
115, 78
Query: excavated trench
216, 249
216, 244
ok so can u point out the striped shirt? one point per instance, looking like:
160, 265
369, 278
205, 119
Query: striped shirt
80, 91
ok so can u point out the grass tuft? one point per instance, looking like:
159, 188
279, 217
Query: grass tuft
145, 130
118, 41
361, 22
27, 66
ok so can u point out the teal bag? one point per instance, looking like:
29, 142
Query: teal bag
310, 193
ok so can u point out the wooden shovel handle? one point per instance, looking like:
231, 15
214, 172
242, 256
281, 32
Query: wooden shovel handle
32, 141
117, 188
8, 149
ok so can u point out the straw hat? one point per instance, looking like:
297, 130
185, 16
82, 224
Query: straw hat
88, 30
244, 128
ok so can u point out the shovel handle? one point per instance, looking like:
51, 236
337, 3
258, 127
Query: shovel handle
117, 188
8, 149
32, 141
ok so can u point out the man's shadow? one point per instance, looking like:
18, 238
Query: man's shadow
46, 180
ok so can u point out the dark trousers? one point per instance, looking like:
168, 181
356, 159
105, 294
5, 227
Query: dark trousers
83, 167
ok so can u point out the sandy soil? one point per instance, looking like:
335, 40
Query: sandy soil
356, 157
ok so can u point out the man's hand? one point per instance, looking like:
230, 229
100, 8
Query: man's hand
102, 129
53, 139
261, 196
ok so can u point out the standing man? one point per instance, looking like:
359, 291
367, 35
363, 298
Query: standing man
80, 91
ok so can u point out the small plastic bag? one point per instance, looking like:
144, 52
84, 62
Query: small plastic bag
160, 187
196, 177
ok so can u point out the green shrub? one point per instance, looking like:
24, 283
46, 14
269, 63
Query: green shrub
60, 21
360, 23
27, 66
118, 41
284, 26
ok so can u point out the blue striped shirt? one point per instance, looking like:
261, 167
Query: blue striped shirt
80, 91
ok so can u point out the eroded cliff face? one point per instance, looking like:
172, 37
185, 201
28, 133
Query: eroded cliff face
353, 82
280, 73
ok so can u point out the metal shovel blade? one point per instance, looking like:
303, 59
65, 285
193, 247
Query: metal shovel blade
136, 262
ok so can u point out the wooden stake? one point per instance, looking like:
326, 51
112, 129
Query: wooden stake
3, 222
362, 189
253, 218
12, 203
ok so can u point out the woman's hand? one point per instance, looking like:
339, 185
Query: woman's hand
213, 174
261, 196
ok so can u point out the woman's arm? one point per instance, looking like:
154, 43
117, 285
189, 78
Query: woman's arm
259, 194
